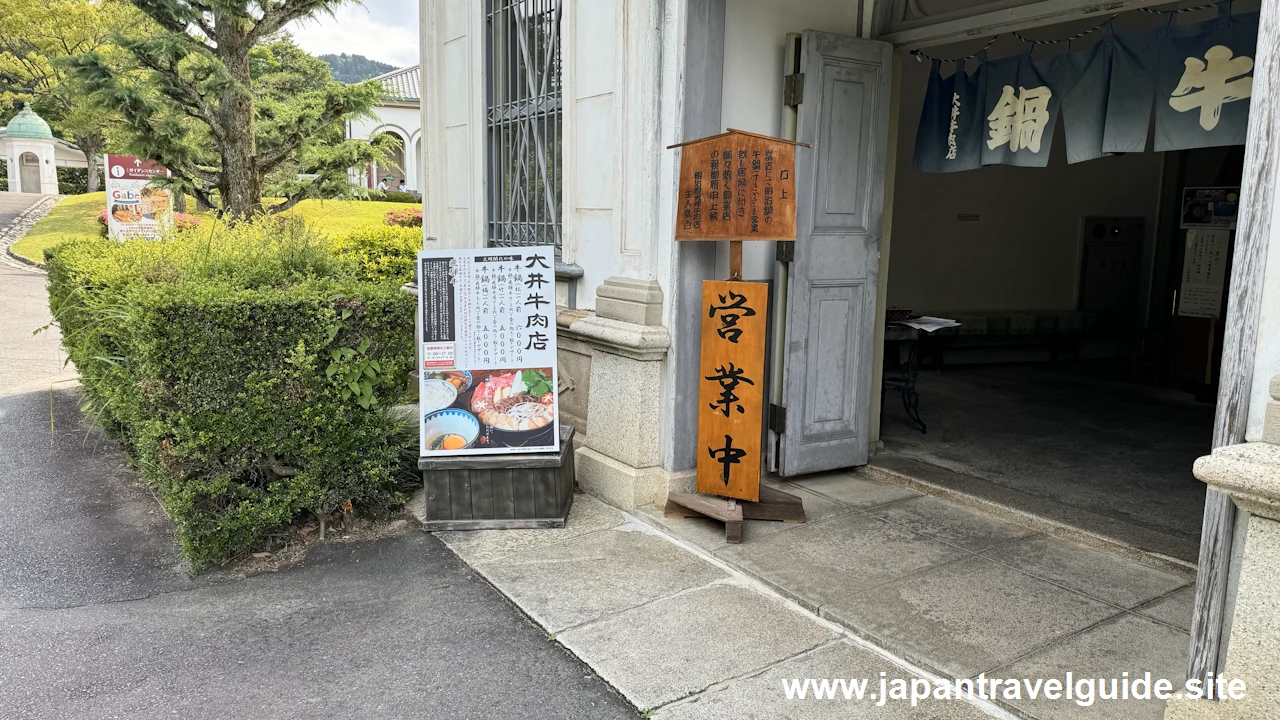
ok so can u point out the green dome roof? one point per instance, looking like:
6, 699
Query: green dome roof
27, 124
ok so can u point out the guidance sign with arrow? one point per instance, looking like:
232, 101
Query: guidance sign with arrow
134, 207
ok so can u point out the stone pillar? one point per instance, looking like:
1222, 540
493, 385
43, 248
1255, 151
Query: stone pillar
621, 460
1250, 474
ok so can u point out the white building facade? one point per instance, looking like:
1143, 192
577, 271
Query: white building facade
548, 121
399, 115
33, 155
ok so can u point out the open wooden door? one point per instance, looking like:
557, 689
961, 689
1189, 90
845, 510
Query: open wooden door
843, 112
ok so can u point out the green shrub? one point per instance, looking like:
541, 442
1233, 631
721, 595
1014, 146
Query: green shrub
75, 180
381, 253
248, 373
4, 176
396, 196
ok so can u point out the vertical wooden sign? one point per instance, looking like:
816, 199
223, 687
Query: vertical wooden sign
731, 388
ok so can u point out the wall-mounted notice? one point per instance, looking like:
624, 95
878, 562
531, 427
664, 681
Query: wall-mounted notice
134, 207
488, 351
1210, 207
1204, 268
737, 186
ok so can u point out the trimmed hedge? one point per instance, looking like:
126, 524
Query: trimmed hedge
246, 372
383, 253
75, 180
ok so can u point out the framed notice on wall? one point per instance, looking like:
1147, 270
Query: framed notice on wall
134, 207
487, 358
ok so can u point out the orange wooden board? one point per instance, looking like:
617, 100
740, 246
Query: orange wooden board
731, 388
737, 186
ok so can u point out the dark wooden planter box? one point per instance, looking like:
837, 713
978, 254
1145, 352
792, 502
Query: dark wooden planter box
500, 491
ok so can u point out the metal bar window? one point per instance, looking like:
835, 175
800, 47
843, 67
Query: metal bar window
524, 119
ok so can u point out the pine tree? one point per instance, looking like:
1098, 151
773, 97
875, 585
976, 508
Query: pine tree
223, 99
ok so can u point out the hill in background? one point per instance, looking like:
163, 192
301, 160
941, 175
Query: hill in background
354, 68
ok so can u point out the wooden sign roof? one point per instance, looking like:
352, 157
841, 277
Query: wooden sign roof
737, 185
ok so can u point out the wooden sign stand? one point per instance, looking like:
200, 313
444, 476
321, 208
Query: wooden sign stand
734, 186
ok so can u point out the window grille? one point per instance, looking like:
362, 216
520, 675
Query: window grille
524, 118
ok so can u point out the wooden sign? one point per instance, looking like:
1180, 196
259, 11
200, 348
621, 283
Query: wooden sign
731, 388
737, 186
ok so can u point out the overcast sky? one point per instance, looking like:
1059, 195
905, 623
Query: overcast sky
384, 30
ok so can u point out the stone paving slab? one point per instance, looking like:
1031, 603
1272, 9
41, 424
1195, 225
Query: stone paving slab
708, 534
588, 515
960, 526
1097, 574
680, 645
854, 490
817, 563
1174, 609
583, 578
761, 697
966, 617
1127, 643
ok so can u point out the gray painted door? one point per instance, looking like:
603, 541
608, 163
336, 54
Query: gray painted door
826, 386
29, 173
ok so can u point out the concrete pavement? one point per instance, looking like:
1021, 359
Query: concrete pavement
100, 619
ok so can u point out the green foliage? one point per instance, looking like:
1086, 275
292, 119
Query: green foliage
355, 68
399, 197
225, 359
37, 40
225, 100
75, 180
381, 253
4, 176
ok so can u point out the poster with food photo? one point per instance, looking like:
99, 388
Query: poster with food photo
487, 353
135, 208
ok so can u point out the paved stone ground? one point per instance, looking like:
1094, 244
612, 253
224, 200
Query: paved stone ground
961, 593
680, 634
27, 361
101, 620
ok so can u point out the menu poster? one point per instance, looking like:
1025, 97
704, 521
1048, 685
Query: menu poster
487, 358
135, 208
1204, 269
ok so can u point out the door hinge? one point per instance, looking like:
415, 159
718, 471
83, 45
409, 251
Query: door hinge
777, 418
784, 251
793, 89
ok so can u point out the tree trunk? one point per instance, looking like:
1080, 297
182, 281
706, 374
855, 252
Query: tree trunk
92, 147
242, 185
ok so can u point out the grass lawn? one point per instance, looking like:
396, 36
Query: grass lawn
77, 216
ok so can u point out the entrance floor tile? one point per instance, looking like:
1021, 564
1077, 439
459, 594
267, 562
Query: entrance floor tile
960, 526
1127, 643
820, 562
761, 695
966, 617
851, 489
1097, 574
579, 580
677, 646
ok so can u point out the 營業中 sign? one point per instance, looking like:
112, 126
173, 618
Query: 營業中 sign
487, 355
134, 207
731, 388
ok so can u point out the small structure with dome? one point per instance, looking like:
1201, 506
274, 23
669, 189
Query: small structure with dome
33, 155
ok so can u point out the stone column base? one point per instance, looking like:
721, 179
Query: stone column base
626, 487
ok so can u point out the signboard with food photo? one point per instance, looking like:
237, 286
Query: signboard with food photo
487, 358
134, 207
